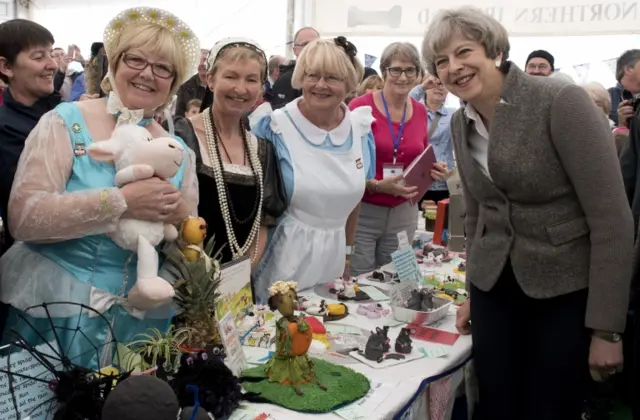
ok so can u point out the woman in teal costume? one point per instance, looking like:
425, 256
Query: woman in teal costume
63, 203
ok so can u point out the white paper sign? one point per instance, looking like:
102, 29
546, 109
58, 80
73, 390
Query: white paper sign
235, 289
366, 407
403, 240
33, 397
407, 265
235, 360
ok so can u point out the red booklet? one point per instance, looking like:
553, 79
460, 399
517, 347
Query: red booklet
418, 174
432, 335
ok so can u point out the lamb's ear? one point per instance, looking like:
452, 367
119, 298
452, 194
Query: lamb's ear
104, 151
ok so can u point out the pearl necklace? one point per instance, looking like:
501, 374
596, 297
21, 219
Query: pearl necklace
237, 251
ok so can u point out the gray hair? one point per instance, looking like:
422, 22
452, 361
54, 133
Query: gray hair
399, 51
470, 22
628, 59
563, 76
274, 62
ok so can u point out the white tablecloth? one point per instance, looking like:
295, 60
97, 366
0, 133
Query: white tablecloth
407, 376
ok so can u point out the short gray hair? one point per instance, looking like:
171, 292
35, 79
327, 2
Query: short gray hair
470, 22
399, 51
628, 59
274, 63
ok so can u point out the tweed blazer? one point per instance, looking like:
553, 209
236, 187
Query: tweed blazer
555, 204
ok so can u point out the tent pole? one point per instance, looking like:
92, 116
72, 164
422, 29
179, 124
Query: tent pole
291, 17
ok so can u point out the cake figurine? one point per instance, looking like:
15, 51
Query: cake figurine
290, 364
311, 307
430, 261
421, 300
192, 234
385, 333
439, 259
374, 349
349, 291
403, 342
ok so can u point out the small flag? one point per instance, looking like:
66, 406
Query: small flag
369, 60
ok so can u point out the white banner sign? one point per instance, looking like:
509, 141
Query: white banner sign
7, 11
520, 17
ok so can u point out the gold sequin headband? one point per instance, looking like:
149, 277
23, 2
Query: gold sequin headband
149, 15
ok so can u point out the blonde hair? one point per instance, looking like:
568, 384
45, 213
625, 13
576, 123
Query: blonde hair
324, 56
470, 22
399, 51
372, 82
599, 95
156, 40
239, 53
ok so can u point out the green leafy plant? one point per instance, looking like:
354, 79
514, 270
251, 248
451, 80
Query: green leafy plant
196, 290
155, 347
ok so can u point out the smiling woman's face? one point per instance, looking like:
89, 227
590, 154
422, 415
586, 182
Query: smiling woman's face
464, 68
31, 76
236, 85
143, 80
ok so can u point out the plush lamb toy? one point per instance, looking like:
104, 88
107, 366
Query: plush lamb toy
137, 156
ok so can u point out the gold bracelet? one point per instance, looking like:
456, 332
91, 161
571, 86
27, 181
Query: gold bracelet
104, 203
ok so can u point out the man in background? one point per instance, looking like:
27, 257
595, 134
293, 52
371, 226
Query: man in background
540, 63
628, 87
193, 88
282, 92
274, 73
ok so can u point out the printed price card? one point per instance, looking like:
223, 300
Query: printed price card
407, 265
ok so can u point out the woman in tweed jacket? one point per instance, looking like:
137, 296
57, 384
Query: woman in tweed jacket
549, 230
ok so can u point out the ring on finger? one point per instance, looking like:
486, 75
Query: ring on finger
166, 206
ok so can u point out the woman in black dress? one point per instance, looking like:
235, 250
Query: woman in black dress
240, 185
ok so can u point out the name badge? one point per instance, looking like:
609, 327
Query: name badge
389, 170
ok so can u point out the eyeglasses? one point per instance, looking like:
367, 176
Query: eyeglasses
397, 71
134, 62
540, 66
329, 79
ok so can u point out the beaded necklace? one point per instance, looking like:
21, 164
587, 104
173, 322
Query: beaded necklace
226, 206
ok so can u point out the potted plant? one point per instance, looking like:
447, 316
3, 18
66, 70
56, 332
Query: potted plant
161, 350
196, 290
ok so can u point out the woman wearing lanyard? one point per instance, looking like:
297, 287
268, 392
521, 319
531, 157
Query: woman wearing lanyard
400, 133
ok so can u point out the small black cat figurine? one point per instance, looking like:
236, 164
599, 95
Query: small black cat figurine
403, 342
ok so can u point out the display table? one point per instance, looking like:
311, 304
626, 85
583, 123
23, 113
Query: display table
407, 378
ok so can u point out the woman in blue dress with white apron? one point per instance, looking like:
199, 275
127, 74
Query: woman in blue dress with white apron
63, 203
325, 154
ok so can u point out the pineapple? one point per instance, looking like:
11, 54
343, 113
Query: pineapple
196, 290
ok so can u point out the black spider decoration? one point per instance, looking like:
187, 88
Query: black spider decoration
81, 393
219, 391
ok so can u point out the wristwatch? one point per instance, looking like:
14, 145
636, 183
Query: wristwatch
350, 249
611, 337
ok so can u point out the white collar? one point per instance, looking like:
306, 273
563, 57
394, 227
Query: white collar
471, 113
315, 135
